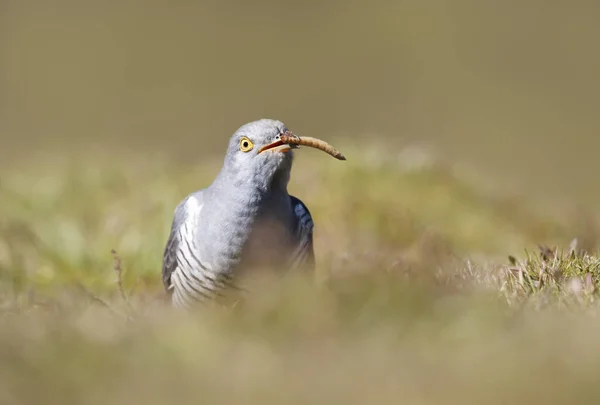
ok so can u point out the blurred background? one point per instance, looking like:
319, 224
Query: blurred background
509, 88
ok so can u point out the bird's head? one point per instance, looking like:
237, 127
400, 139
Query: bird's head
256, 153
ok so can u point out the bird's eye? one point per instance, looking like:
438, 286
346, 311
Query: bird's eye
246, 144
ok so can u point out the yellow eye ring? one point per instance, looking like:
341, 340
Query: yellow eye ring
246, 144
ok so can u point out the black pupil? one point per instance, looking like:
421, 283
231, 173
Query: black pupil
245, 144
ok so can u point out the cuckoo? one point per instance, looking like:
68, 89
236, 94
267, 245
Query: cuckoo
244, 220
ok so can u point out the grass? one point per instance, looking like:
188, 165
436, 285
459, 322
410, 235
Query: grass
416, 299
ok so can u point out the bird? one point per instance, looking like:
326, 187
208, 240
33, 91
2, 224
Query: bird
244, 220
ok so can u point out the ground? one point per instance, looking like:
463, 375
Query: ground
430, 288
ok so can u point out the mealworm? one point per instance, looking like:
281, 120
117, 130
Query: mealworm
313, 143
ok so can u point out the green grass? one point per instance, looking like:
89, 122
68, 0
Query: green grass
415, 299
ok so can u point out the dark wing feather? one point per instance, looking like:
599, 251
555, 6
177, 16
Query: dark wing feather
304, 255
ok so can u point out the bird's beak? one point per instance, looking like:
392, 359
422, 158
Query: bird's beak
277, 145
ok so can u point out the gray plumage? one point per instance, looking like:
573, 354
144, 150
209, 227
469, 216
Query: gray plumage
245, 219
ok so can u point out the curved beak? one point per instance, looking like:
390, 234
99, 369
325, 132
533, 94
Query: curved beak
278, 145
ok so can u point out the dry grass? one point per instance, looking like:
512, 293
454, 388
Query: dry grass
414, 300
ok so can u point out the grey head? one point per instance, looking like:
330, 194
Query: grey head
255, 157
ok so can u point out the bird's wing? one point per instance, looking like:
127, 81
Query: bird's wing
187, 208
303, 255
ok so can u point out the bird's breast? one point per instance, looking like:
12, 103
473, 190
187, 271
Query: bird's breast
270, 242
241, 235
